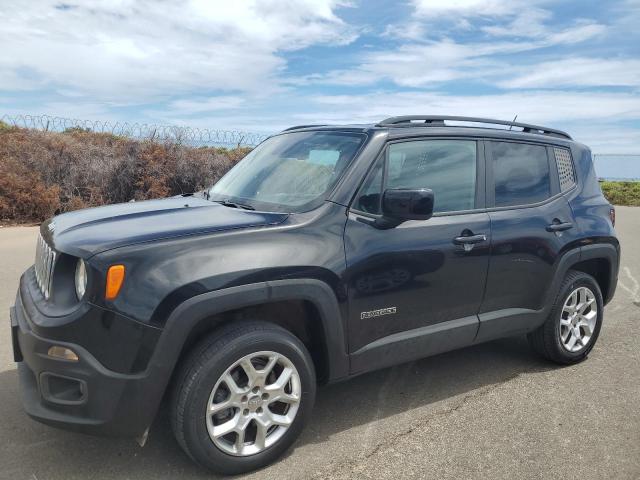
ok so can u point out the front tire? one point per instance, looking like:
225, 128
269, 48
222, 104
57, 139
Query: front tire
242, 397
573, 325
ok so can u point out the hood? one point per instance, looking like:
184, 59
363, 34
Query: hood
86, 232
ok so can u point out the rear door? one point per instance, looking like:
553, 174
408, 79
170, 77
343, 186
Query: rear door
416, 289
531, 225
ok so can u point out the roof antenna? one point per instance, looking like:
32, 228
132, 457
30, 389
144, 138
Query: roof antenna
513, 121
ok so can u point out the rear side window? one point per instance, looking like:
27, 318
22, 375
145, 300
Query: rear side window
565, 169
521, 173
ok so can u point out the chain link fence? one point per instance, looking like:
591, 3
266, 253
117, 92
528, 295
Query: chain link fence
194, 137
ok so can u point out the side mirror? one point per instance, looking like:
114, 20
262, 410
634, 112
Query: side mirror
405, 204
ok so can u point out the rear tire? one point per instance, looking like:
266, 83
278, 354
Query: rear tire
237, 373
573, 325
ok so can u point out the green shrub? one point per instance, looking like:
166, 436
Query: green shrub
622, 193
76, 130
5, 127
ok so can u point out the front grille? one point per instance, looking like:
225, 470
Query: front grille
45, 262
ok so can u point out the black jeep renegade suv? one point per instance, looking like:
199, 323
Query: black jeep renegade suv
327, 252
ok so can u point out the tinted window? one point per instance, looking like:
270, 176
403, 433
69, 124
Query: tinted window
521, 173
448, 167
371, 192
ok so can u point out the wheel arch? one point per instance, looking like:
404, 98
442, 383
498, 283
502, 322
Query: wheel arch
208, 311
600, 260
300, 317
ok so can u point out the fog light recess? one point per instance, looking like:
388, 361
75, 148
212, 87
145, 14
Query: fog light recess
62, 390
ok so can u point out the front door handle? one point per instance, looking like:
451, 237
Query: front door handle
558, 226
470, 239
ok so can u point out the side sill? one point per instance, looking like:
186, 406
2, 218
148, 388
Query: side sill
507, 322
414, 344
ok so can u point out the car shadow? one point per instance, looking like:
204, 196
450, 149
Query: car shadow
32, 449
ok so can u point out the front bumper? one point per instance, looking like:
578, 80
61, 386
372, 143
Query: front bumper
78, 395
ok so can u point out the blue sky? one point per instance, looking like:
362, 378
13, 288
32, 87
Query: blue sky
263, 65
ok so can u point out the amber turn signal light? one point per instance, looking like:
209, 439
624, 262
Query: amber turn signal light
62, 353
115, 279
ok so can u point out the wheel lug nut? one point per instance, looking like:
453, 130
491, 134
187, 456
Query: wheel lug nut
246, 411
256, 389
259, 410
265, 396
244, 399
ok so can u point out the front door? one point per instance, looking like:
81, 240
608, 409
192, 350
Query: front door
416, 289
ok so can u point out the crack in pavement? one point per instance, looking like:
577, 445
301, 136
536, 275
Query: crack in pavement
351, 464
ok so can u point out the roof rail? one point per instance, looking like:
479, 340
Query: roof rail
438, 121
297, 127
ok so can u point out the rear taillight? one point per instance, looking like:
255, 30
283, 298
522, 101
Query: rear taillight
612, 216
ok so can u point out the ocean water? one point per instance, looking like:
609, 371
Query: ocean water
617, 167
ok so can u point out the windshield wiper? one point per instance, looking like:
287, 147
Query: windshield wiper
227, 203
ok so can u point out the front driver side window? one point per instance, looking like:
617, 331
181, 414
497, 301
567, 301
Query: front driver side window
448, 167
370, 194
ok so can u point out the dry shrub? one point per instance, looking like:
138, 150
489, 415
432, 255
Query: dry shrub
42, 173
23, 194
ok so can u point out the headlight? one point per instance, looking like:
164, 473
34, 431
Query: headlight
81, 279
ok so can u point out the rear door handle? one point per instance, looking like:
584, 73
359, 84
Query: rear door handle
559, 226
470, 239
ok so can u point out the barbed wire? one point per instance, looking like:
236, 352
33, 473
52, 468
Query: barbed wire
192, 136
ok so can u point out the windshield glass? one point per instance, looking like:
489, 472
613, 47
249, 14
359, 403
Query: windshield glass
289, 173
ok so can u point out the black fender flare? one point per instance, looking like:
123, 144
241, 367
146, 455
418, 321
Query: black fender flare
182, 320
187, 315
606, 251
609, 252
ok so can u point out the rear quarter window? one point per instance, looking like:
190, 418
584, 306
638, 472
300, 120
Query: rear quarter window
566, 175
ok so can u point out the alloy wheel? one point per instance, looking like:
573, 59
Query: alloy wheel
253, 403
578, 319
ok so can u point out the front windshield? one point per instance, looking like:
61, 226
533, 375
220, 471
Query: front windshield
291, 172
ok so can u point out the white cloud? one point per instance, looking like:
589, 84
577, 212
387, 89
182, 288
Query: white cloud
515, 18
205, 104
533, 23
422, 61
583, 31
532, 106
81, 110
139, 49
590, 117
529, 22
429, 64
438, 8
607, 138
576, 71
